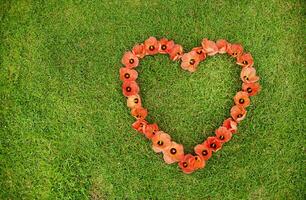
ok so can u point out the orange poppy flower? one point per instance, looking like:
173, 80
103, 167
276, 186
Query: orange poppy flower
200, 52
133, 101
198, 162
209, 47
165, 46
130, 88
234, 50
160, 141
151, 46
251, 88
139, 50
127, 74
223, 134
186, 164
139, 125
203, 151
139, 112
173, 153
248, 75
238, 113
130, 60
230, 124
176, 52
242, 99
245, 60
222, 46
190, 61
150, 130
213, 143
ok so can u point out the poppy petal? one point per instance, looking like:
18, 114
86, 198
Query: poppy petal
222, 46
238, 113
127, 74
130, 60
234, 50
251, 88
176, 52
151, 46
242, 99
130, 88
139, 50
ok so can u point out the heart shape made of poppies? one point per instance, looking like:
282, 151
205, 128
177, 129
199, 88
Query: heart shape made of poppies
161, 141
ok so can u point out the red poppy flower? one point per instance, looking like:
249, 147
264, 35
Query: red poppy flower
130, 88
234, 50
139, 112
190, 61
127, 74
248, 75
130, 60
200, 52
222, 46
139, 125
139, 50
133, 101
209, 47
150, 130
245, 60
230, 124
203, 151
186, 164
251, 88
238, 113
223, 134
151, 46
242, 99
165, 46
213, 143
176, 52
160, 141
173, 153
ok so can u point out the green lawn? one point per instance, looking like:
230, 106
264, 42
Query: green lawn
65, 128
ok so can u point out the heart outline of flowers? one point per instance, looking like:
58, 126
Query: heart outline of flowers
161, 141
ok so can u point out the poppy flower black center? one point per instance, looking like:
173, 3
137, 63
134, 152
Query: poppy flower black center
192, 61
196, 158
163, 47
239, 116
185, 164
245, 62
249, 90
241, 101
213, 145
235, 54
204, 152
129, 89
160, 143
246, 78
127, 75
173, 151
151, 47
199, 52
131, 61
221, 137
136, 100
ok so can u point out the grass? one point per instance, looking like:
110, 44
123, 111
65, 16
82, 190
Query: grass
66, 132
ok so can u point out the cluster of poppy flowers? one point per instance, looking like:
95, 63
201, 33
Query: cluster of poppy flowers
161, 141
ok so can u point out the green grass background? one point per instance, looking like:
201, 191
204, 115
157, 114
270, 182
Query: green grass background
66, 131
